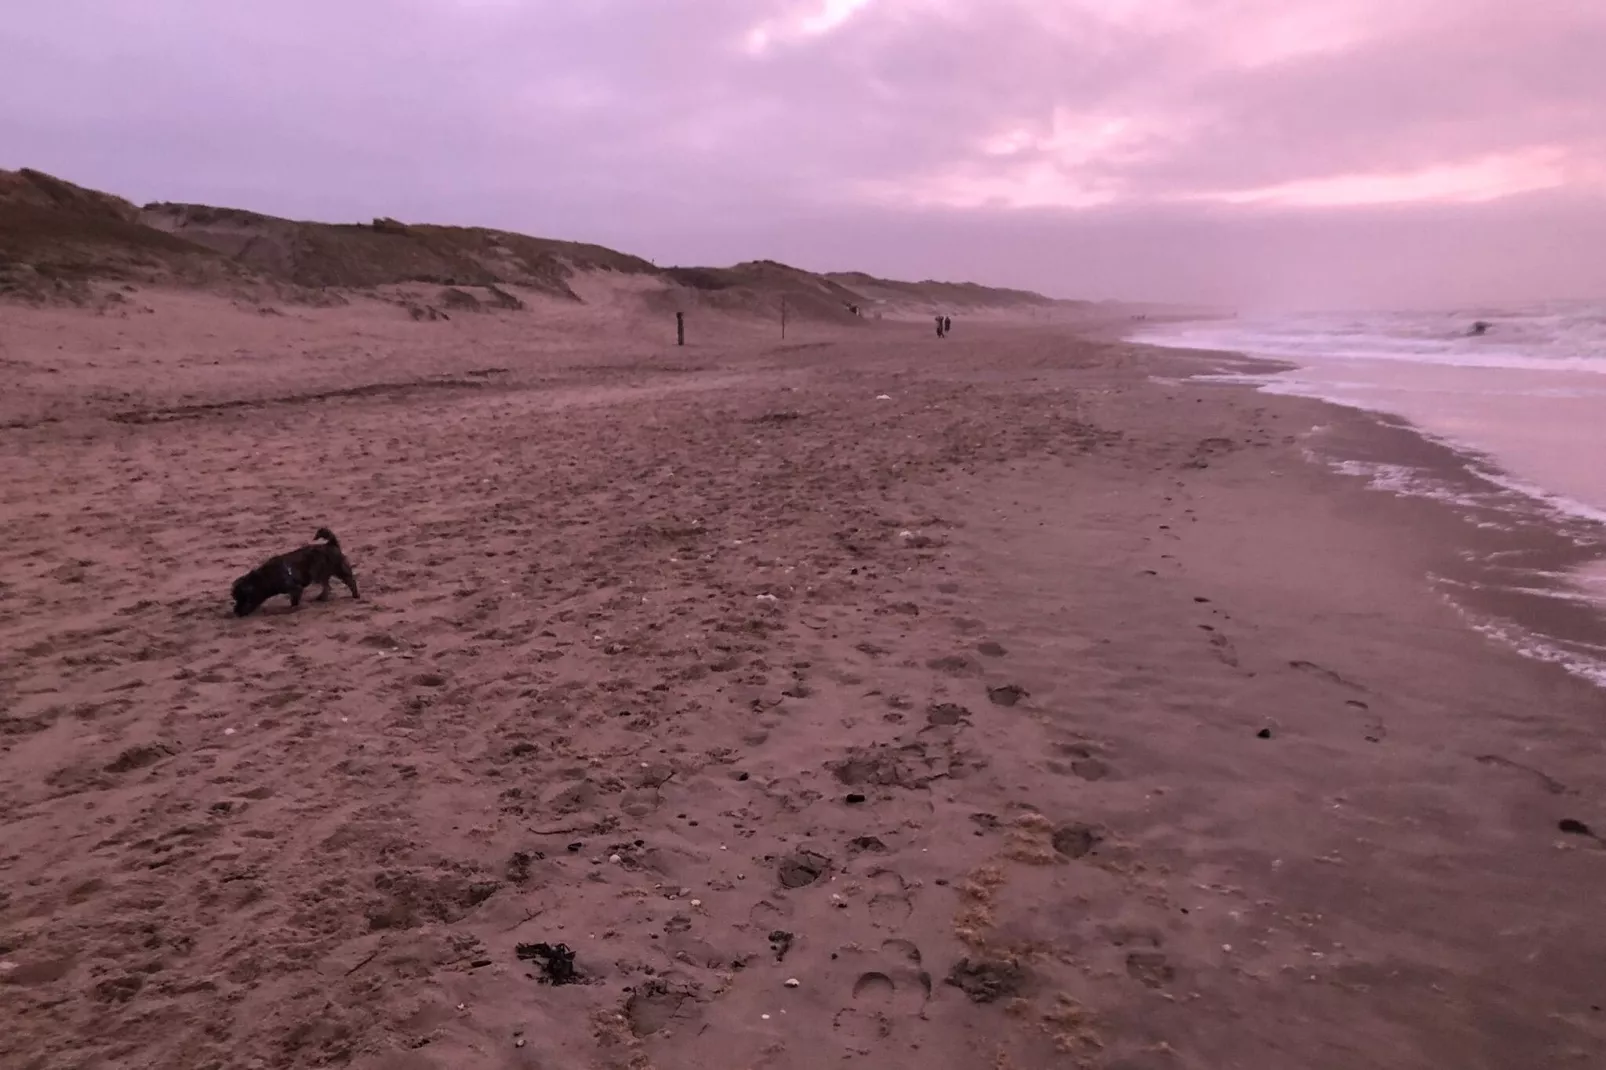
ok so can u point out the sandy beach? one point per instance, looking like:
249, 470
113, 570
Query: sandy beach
868, 699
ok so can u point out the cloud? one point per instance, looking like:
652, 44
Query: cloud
660, 124
1226, 99
1487, 179
816, 18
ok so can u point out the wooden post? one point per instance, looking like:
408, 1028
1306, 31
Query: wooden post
783, 318
680, 328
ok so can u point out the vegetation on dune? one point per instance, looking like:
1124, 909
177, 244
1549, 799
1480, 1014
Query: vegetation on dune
56, 237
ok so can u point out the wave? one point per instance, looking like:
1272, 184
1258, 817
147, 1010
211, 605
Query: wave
1562, 337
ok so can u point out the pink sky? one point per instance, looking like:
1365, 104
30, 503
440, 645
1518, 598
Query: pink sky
1321, 151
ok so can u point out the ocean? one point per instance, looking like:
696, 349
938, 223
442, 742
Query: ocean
1523, 402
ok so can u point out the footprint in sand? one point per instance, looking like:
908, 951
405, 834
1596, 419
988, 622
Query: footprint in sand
1222, 647
768, 916
1326, 674
1550, 783
658, 1004
140, 756
1077, 840
873, 988
802, 868
952, 664
886, 987
1090, 768
1150, 968
1140, 937
1085, 761
887, 766
987, 980
1375, 729
890, 901
867, 845
860, 1029
1006, 694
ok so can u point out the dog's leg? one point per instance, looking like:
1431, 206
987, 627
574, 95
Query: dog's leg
323, 596
295, 597
348, 579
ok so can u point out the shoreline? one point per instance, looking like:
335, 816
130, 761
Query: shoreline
1524, 574
1020, 708
1530, 398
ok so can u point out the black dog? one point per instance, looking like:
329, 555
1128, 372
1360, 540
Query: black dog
293, 573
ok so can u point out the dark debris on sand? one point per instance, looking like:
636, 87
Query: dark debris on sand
555, 961
987, 980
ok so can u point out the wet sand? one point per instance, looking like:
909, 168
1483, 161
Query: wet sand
1022, 710
1541, 425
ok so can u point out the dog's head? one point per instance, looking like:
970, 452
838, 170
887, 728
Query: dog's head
248, 594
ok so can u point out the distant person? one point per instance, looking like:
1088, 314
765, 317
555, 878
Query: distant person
947, 325
939, 326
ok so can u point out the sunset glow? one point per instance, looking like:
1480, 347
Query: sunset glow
1485, 179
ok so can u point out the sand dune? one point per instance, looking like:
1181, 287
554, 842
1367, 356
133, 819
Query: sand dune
57, 240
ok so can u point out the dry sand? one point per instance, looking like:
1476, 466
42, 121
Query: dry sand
1022, 710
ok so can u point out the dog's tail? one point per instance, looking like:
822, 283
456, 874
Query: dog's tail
327, 536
